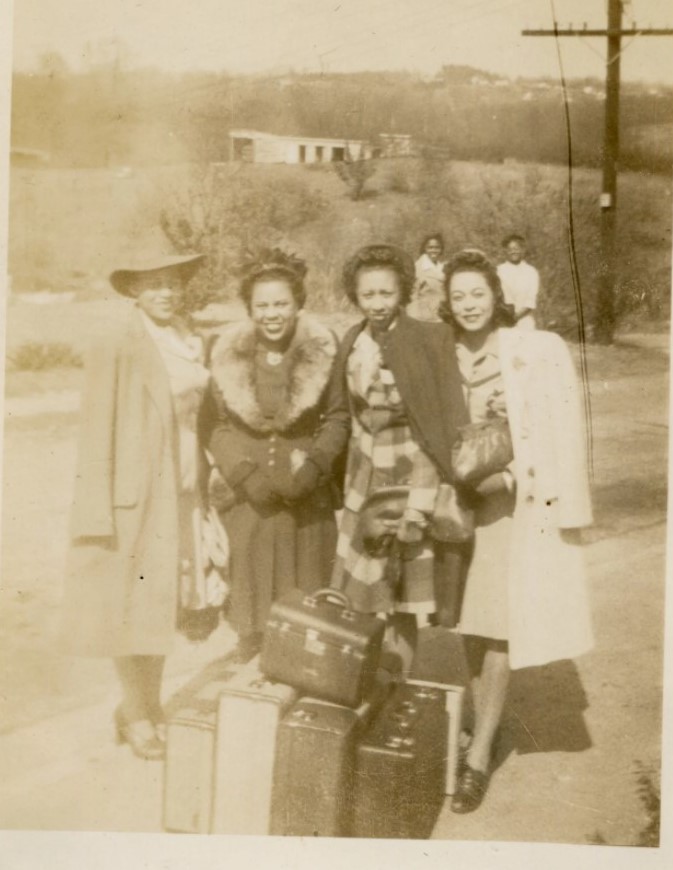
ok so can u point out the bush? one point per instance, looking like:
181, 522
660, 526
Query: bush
355, 173
224, 211
35, 356
649, 795
400, 177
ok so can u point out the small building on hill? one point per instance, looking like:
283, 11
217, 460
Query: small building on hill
395, 145
252, 146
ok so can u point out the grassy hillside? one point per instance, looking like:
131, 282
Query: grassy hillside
69, 228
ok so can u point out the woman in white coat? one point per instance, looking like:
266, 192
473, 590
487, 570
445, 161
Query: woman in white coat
525, 600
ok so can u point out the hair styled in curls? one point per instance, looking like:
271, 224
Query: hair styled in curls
432, 237
474, 260
380, 257
272, 264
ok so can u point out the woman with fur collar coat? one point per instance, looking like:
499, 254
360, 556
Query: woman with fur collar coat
263, 416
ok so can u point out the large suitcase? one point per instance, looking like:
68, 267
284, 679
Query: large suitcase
400, 772
190, 758
249, 712
321, 646
313, 777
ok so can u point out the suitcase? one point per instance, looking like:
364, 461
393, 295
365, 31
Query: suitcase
249, 711
316, 643
454, 708
190, 755
313, 777
400, 772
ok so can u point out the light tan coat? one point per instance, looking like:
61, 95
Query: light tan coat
122, 580
548, 603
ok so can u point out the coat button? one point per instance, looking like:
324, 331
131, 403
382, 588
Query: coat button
272, 449
272, 462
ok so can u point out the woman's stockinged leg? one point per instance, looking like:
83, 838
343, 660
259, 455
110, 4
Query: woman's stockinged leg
152, 668
129, 672
475, 650
140, 678
491, 681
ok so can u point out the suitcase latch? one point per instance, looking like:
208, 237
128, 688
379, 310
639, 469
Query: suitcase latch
396, 741
313, 644
304, 715
260, 683
426, 693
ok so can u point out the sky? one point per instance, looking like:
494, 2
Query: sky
253, 36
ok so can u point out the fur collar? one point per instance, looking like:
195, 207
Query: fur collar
311, 355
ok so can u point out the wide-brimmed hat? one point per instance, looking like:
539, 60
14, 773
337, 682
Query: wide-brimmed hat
186, 264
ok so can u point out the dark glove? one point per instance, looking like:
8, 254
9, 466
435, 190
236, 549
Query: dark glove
258, 490
491, 484
299, 485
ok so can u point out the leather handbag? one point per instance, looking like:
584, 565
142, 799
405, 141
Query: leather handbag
482, 449
452, 520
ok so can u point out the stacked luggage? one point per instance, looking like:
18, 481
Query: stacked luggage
315, 740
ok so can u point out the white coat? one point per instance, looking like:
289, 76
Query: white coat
549, 615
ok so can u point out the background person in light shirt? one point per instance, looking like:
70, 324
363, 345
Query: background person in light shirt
520, 281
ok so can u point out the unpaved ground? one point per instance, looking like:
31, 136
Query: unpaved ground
574, 732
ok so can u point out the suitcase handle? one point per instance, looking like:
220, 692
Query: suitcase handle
333, 595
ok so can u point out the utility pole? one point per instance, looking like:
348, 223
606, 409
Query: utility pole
604, 323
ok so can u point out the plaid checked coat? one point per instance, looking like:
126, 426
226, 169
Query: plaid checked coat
405, 407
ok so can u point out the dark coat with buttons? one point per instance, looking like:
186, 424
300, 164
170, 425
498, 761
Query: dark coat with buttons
287, 546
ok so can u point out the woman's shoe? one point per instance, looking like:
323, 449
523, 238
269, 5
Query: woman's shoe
471, 791
465, 741
141, 736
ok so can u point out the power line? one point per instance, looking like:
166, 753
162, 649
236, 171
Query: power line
574, 270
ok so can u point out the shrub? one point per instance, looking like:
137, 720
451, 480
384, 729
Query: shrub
223, 211
35, 356
650, 797
355, 173
400, 177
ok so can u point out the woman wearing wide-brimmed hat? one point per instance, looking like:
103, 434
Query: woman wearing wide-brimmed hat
135, 521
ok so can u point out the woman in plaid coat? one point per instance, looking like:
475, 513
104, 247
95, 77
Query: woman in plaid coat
398, 380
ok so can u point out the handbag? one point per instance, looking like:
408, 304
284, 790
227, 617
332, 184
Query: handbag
482, 449
452, 520
204, 587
